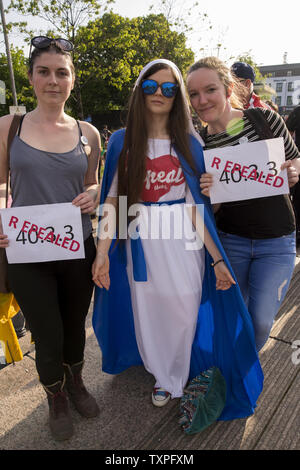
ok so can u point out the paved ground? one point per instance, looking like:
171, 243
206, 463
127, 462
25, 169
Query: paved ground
129, 421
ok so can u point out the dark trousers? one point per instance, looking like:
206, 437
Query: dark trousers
54, 298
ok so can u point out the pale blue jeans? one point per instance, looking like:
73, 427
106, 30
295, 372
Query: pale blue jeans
263, 269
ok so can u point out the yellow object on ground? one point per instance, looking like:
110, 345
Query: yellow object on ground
8, 308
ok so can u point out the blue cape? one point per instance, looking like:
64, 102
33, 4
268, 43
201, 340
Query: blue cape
224, 335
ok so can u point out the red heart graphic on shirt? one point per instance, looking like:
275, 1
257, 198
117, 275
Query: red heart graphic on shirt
161, 174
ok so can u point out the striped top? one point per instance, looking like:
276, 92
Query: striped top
244, 128
258, 218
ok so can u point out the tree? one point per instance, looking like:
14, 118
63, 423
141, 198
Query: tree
24, 90
112, 50
109, 53
184, 16
189, 17
64, 17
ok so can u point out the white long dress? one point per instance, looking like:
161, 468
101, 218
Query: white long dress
165, 307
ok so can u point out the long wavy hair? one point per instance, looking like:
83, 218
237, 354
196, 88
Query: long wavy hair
132, 161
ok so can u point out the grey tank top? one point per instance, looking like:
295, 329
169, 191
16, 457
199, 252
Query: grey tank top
39, 177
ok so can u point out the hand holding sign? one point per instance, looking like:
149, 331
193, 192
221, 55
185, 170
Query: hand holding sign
3, 237
85, 202
40, 233
246, 171
292, 172
206, 182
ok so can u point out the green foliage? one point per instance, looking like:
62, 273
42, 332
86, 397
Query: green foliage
24, 90
111, 51
64, 17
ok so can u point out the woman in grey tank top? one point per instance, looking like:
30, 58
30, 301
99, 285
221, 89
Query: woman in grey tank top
54, 159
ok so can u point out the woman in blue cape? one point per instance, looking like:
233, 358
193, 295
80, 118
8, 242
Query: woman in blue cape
169, 302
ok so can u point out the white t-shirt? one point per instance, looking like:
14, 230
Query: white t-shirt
164, 179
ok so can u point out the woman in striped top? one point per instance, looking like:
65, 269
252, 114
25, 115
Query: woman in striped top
257, 234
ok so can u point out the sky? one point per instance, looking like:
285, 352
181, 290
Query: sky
265, 29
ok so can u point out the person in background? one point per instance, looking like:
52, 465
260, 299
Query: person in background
105, 134
54, 159
293, 125
258, 235
246, 76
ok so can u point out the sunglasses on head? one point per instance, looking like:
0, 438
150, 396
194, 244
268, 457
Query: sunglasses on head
41, 42
168, 89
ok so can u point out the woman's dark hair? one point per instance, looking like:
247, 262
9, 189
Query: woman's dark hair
132, 161
53, 48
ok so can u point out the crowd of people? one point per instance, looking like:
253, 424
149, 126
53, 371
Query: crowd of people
174, 310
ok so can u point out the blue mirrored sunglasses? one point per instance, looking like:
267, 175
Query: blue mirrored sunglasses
168, 89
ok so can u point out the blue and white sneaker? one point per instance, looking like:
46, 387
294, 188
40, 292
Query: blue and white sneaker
160, 396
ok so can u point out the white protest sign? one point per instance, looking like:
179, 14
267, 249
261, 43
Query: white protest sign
47, 232
247, 171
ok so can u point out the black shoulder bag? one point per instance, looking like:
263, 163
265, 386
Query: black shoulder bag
258, 119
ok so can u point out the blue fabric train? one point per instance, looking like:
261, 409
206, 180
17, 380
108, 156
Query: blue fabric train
224, 336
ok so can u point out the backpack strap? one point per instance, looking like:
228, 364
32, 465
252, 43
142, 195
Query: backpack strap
258, 119
11, 134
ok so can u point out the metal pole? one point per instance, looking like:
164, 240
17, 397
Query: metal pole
10, 66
